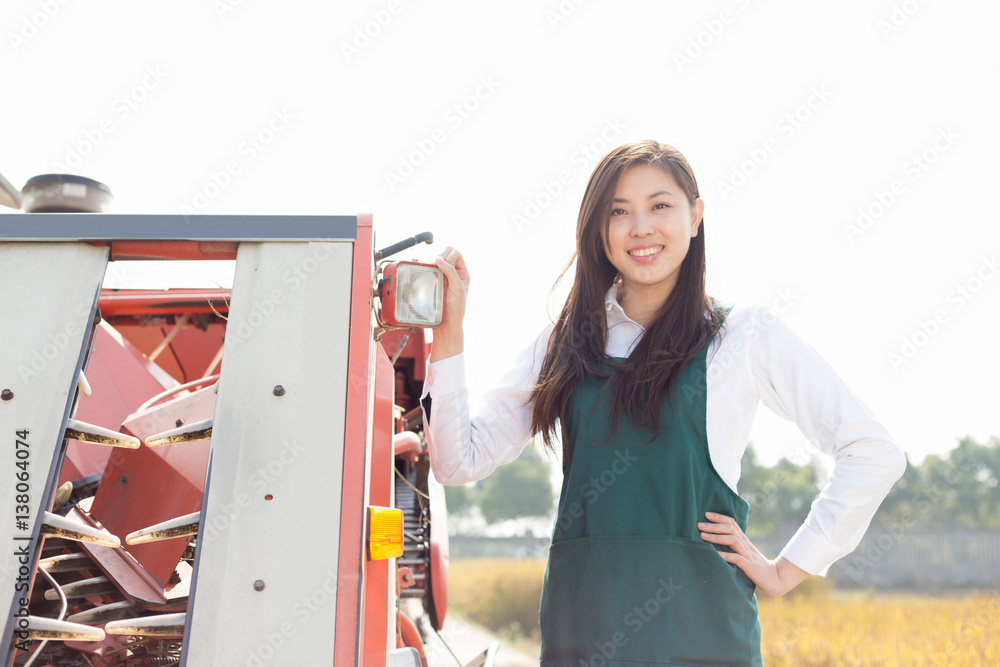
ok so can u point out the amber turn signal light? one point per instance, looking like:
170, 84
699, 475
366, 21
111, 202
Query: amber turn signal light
385, 533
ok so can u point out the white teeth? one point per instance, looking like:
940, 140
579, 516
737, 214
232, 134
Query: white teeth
646, 252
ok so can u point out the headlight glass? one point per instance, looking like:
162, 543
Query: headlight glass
419, 295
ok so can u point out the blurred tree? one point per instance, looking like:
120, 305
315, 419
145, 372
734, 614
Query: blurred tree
960, 490
519, 489
779, 496
461, 498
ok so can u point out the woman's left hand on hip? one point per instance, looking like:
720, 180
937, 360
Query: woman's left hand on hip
773, 577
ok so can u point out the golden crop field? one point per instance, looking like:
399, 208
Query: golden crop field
815, 627
887, 630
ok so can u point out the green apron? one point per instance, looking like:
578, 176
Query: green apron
629, 581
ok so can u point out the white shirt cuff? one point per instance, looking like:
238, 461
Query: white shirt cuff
811, 551
449, 373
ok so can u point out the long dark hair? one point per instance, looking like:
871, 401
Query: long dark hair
576, 349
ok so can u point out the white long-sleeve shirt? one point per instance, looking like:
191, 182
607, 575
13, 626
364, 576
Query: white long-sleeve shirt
755, 359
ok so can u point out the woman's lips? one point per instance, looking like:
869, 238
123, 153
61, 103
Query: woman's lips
645, 254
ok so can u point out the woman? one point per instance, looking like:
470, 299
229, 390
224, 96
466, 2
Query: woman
653, 387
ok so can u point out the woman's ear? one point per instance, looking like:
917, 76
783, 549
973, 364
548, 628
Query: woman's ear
697, 211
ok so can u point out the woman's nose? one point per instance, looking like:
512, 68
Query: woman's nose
641, 226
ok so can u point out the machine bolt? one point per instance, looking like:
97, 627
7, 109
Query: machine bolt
278, 390
258, 585
179, 423
6, 394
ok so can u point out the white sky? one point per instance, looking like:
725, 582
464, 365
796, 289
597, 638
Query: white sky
200, 78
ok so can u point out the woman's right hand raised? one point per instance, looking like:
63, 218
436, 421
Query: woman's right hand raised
449, 338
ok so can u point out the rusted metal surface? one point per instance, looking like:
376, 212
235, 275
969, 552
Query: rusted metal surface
164, 625
180, 527
194, 432
66, 563
83, 588
108, 612
67, 528
49, 628
98, 435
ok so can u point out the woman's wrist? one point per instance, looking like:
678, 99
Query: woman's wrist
447, 344
789, 574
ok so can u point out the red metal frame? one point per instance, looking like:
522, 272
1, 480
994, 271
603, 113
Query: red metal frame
184, 250
357, 452
379, 634
115, 303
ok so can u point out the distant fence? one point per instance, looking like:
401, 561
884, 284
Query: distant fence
923, 560
467, 546
906, 559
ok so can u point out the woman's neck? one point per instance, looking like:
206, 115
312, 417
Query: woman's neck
641, 303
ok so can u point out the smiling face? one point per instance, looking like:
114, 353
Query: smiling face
650, 229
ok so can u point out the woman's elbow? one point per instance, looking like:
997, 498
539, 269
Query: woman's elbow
445, 474
891, 463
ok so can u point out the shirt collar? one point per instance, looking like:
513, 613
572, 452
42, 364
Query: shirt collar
616, 314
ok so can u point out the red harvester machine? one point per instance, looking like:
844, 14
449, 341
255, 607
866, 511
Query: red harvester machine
205, 477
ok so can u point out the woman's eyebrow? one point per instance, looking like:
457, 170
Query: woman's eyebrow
656, 194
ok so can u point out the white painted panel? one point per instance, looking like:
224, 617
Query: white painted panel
48, 293
288, 326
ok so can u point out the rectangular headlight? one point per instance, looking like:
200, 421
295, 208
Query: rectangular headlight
412, 294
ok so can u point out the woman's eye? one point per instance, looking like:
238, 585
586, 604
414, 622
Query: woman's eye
618, 211
661, 204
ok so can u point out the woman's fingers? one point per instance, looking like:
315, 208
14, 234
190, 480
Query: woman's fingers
722, 529
453, 264
455, 282
721, 518
728, 540
734, 558
448, 336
